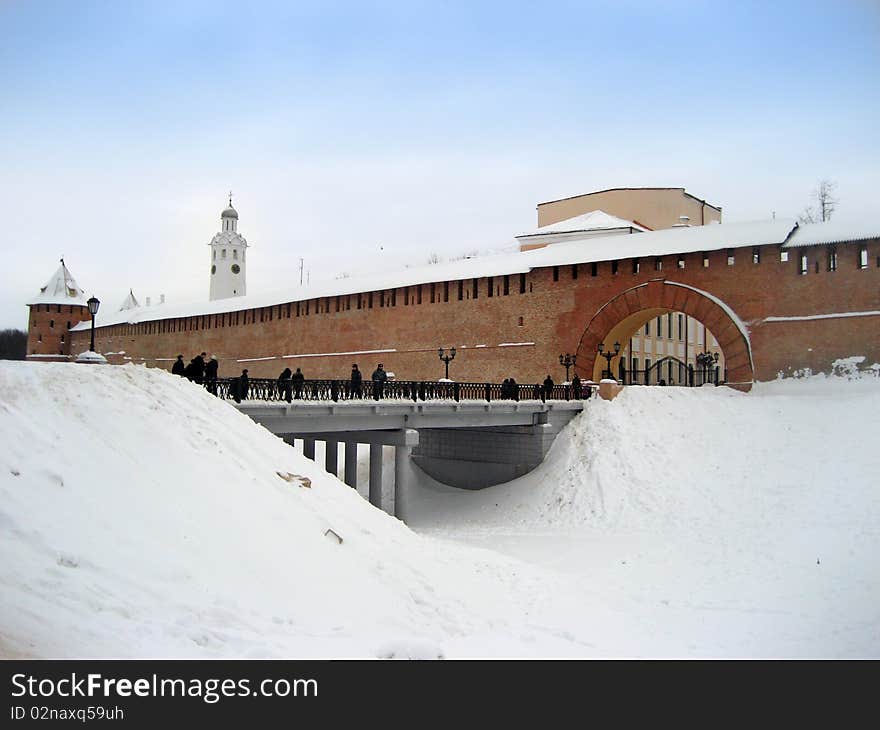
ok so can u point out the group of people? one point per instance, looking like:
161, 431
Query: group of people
291, 384
198, 370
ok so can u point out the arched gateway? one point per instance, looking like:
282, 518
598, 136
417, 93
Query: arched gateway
622, 315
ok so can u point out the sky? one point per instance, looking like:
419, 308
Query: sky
361, 136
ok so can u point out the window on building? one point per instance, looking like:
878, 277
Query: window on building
235, 253
445, 291
705, 261
68, 324
648, 328
756, 255
658, 264
669, 325
520, 322
614, 268
659, 327
832, 259
39, 338
460, 289
863, 258
223, 254
52, 323
647, 371
506, 285
490, 286
555, 273
419, 294
783, 257
522, 283
804, 263
681, 326
636, 266
680, 262
731, 259
476, 288
574, 271
370, 301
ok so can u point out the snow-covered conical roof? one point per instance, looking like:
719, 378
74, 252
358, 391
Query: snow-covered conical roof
130, 302
61, 289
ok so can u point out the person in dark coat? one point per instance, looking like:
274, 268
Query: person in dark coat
548, 386
284, 389
198, 368
178, 368
242, 386
298, 381
505, 389
576, 387
356, 382
379, 378
211, 375
513, 389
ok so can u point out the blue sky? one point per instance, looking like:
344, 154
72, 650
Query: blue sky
359, 135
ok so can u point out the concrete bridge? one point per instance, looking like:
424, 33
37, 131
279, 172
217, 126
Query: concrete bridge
466, 444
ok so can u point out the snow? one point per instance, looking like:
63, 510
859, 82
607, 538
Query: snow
669, 522
836, 231
596, 220
600, 248
833, 315
61, 289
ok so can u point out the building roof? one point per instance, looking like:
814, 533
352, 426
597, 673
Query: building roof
130, 302
611, 190
60, 289
595, 220
230, 212
646, 245
836, 231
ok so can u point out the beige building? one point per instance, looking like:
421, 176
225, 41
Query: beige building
651, 208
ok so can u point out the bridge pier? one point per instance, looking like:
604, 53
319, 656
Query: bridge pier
331, 456
376, 475
309, 447
351, 457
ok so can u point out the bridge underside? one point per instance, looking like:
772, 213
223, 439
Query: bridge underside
465, 445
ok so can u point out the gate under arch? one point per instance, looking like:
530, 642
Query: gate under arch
626, 312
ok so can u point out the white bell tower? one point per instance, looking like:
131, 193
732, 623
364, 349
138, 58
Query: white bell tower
228, 258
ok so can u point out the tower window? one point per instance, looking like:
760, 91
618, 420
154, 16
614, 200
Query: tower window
594, 269
636, 266
574, 271
522, 283
52, 323
658, 264
863, 258
614, 267
235, 253
730, 257
680, 262
223, 254
756, 255
803, 267
832, 259
555, 273
705, 261
783, 257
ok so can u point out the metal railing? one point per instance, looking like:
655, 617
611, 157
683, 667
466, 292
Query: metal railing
271, 389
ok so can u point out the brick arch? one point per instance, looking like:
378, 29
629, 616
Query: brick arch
627, 311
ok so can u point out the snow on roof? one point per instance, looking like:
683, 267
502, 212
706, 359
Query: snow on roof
130, 302
599, 248
836, 231
595, 220
60, 289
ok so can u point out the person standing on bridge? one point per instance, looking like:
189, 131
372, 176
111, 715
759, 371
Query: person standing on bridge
242, 389
284, 390
298, 382
178, 368
576, 387
379, 378
548, 386
211, 375
356, 383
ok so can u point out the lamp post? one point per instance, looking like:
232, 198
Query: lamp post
706, 361
93, 305
446, 358
609, 356
567, 361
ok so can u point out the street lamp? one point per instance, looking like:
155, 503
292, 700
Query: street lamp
567, 361
609, 356
706, 361
446, 358
93, 304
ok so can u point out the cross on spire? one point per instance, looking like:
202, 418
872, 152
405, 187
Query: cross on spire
230, 198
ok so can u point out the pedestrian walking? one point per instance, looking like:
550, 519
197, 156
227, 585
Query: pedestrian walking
242, 389
379, 379
576, 387
178, 368
548, 386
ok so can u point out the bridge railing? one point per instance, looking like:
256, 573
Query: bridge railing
270, 389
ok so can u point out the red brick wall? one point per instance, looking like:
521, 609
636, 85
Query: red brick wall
555, 315
49, 329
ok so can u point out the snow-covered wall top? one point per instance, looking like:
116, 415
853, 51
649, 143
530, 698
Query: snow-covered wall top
601, 248
836, 231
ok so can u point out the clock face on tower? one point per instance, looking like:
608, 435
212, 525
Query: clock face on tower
235, 268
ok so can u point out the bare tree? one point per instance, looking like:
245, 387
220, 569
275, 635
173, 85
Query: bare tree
434, 258
825, 203
13, 344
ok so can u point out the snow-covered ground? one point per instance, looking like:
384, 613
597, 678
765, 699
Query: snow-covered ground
140, 516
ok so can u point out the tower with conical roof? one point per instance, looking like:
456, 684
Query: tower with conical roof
228, 258
60, 305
